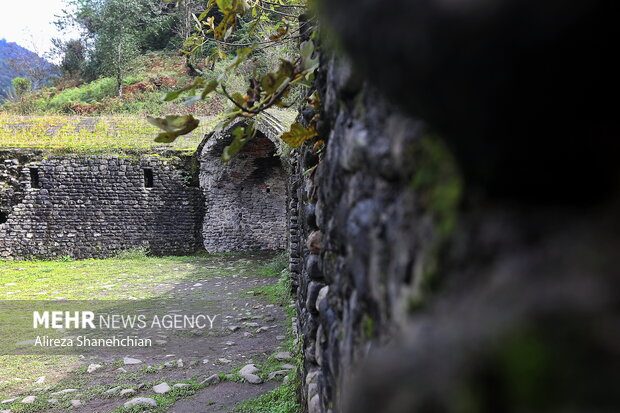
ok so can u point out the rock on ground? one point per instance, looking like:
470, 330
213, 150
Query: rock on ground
65, 391
141, 401
161, 388
93, 367
248, 373
212, 379
283, 355
131, 360
279, 373
248, 369
252, 378
113, 390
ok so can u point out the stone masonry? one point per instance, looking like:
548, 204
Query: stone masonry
245, 199
95, 206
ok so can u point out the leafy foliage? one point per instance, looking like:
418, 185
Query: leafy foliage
173, 126
21, 86
267, 24
298, 135
115, 31
72, 54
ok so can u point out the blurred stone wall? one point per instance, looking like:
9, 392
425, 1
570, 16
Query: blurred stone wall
468, 264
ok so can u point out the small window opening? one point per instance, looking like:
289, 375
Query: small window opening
34, 178
3, 217
268, 190
148, 177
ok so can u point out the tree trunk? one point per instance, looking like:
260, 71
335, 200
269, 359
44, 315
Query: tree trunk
119, 73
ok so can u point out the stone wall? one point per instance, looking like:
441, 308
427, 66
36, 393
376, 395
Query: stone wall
472, 273
95, 206
245, 199
361, 234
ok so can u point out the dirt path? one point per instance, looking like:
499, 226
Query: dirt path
199, 366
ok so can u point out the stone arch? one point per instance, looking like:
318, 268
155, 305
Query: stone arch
245, 199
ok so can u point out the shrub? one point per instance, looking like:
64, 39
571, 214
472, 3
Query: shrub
88, 93
133, 254
21, 86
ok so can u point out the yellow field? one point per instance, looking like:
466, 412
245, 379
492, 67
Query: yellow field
78, 134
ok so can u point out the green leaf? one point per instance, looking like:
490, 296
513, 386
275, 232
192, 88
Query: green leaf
238, 97
298, 135
209, 88
242, 54
241, 136
204, 14
225, 5
173, 126
176, 93
307, 62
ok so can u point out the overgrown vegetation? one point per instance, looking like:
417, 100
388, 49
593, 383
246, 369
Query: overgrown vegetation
268, 24
150, 77
105, 134
129, 57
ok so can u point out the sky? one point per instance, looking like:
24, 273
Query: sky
29, 23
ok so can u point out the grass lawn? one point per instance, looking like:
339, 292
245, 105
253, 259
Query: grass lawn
134, 276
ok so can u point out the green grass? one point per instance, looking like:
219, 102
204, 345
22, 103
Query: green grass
121, 278
94, 91
280, 400
275, 267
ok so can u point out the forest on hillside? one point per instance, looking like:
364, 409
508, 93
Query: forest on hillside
16, 61
133, 52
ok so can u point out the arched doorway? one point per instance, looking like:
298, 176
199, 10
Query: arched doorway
245, 199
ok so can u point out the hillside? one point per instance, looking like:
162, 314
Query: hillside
144, 85
13, 52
